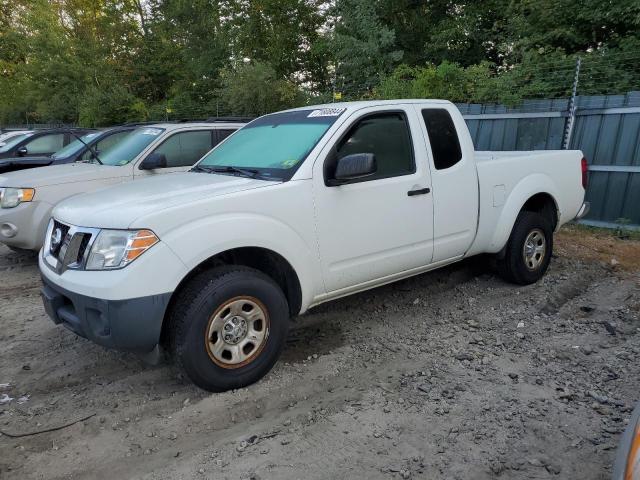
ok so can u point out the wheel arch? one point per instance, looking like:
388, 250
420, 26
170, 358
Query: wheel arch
534, 193
267, 261
546, 205
543, 203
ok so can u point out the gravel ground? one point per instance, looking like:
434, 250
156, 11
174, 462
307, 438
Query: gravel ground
449, 375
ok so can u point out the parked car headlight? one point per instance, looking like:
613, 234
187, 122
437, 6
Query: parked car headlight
117, 248
12, 197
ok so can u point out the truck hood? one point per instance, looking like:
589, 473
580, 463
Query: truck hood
120, 205
60, 174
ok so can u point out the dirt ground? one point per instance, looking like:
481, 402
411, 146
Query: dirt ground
449, 375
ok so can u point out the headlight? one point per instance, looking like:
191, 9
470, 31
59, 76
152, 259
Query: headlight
118, 248
12, 197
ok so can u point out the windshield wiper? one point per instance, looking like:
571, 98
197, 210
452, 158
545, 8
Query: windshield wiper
90, 148
228, 169
200, 168
245, 172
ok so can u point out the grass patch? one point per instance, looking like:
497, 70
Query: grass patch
614, 247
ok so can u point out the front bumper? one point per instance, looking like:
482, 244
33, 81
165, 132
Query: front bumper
131, 325
584, 209
24, 226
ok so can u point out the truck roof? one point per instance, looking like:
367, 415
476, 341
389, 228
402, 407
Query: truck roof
174, 126
356, 105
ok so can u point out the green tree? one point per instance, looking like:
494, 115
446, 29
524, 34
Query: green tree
282, 33
451, 81
256, 89
466, 33
570, 26
363, 48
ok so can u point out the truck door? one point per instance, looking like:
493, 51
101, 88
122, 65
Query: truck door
455, 181
382, 224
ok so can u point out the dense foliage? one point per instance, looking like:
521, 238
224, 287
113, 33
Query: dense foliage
98, 62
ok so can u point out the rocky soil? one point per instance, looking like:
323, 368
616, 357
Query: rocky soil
450, 375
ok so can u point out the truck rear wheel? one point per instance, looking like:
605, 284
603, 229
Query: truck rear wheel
528, 251
227, 327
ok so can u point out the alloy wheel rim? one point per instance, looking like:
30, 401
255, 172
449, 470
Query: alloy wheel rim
534, 249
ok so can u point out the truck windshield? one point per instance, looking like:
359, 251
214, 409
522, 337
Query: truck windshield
271, 146
13, 142
130, 146
75, 146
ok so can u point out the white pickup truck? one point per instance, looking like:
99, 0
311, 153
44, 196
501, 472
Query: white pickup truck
295, 209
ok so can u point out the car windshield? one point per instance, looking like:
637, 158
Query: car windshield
13, 141
130, 146
271, 146
76, 145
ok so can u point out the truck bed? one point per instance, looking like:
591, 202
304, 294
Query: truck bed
507, 176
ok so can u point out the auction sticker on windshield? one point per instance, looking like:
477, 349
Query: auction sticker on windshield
151, 131
327, 112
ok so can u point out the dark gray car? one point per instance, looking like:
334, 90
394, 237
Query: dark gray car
40, 143
80, 148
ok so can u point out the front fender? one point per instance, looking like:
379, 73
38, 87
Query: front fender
523, 191
204, 238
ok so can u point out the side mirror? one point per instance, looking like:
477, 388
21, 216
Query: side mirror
354, 167
153, 161
22, 151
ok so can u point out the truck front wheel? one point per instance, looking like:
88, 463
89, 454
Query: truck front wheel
528, 251
227, 327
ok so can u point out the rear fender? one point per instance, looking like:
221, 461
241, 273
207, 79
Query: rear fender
523, 191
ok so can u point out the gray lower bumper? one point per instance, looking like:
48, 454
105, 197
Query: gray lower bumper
584, 209
132, 325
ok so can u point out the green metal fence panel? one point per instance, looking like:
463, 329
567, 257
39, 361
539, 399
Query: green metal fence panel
608, 132
606, 129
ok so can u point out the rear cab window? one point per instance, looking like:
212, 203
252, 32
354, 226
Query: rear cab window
443, 137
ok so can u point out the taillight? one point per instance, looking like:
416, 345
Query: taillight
585, 169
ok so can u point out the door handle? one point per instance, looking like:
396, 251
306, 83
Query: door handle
421, 191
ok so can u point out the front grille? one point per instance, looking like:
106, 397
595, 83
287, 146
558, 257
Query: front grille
86, 239
72, 253
64, 230
67, 246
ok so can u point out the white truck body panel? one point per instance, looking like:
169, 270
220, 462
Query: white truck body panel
511, 178
338, 240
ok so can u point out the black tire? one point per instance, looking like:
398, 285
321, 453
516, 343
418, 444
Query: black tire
192, 315
514, 267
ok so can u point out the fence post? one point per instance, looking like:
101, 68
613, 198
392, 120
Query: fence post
566, 142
